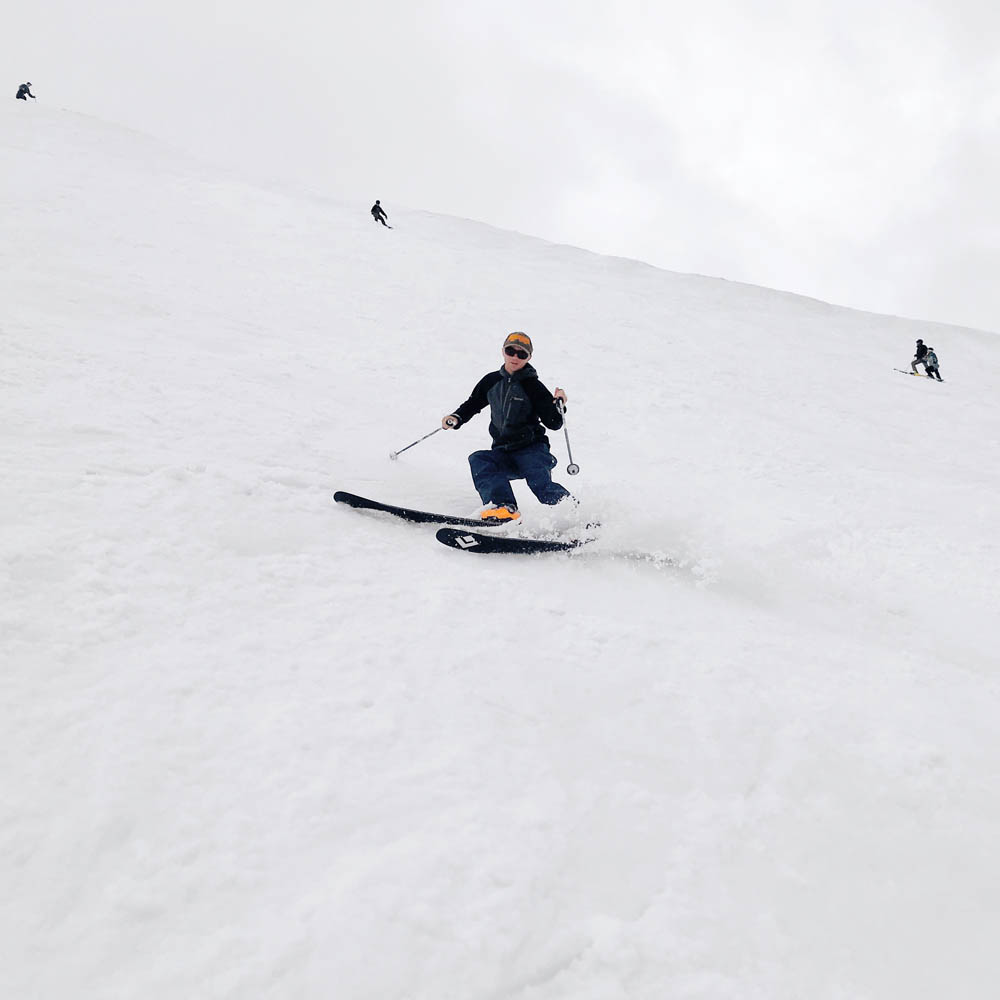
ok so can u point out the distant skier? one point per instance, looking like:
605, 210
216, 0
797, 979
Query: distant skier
378, 214
24, 92
519, 405
919, 356
931, 365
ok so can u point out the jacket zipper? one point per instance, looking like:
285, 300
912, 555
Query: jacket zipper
506, 404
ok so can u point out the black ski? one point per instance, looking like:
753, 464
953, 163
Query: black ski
471, 541
419, 516
918, 375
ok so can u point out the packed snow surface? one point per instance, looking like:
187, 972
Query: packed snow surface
256, 744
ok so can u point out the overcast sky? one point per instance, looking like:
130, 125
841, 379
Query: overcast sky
845, 150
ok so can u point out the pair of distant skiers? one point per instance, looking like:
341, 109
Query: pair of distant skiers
519, 407
925, 356
24, 92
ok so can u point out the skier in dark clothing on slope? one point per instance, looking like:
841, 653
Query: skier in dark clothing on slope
919, 356
24, 92
519, 406
378, 214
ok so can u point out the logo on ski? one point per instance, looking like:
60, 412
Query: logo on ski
466, 541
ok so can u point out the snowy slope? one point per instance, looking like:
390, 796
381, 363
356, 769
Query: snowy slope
256, 745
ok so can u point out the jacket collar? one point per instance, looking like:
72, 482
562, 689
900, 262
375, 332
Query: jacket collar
526, 372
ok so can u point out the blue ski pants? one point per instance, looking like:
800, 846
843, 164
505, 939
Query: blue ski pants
493, 470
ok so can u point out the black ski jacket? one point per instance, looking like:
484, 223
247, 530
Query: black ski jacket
921, 351
519, 405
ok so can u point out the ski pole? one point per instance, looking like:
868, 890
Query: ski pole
572, 469
395, 454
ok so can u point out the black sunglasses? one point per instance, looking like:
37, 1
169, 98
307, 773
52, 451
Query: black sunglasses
516, 352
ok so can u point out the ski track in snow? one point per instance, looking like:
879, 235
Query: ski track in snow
257, 746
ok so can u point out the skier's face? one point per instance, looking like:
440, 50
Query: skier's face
512, 359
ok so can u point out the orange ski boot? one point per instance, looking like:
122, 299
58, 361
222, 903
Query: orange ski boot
501, 514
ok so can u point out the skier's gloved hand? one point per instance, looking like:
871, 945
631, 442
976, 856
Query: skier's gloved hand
560, 394
450, 422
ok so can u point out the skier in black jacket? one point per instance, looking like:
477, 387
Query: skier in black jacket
24, 92
378, 214
919, 357
519, 406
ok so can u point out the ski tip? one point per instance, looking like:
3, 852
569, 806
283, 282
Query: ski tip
342, 496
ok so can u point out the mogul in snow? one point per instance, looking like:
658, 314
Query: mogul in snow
519, 406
